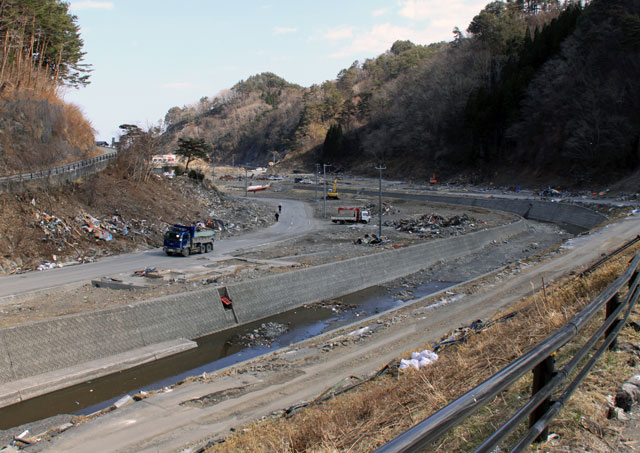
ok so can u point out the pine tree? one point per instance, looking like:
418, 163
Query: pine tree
192, 148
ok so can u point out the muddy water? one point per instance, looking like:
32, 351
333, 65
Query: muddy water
217, 351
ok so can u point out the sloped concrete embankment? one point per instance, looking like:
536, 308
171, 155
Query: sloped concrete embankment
43, 356
572, 217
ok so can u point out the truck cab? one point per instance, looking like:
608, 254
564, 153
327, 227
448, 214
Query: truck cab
176, 241
184, 240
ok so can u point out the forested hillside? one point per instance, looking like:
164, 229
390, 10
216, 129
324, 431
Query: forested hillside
541, 89
40, 52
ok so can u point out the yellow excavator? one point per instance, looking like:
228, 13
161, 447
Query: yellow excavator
333, 193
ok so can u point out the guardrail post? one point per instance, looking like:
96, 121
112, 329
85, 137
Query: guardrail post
612, 304
542, 374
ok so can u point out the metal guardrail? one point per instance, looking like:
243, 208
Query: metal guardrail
74, 167
541, 360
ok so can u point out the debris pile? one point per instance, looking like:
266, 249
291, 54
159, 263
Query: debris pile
372, 239
48, 265
264, 335
53, 227
434, 225
94, 227
106, 228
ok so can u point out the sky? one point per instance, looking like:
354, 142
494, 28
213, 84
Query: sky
150, 55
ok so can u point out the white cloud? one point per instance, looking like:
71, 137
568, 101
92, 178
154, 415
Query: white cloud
381, 37
452, 11
283, 30
379, 12
418, 9
342, 32
177, 85
441, 17
89, 4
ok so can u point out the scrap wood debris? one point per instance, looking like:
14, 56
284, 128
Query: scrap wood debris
463, 333
53, 227
434, 225
372, 239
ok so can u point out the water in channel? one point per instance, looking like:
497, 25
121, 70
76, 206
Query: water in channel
214, 352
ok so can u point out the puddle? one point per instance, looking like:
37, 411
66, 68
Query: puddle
218, 351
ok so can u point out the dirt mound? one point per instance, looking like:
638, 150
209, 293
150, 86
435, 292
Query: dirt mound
106, 214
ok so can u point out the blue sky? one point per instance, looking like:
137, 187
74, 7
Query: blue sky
151, 55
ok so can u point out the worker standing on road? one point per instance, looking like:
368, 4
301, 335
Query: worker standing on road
280, 208
277, 216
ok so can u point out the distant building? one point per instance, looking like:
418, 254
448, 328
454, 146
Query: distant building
102, 143
164, 160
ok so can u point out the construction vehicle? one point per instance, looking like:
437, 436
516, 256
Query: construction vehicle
184, 240
334, 193
351, 215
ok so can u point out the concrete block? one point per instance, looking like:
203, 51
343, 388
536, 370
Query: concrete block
33, 386
9, 394
39, 347
6, 372
188, 315
115, 285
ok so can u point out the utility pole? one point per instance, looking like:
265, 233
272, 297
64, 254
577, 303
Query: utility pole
316, 191
380, 168
324, 175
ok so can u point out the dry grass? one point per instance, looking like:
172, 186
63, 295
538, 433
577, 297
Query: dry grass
38, 129
376, 412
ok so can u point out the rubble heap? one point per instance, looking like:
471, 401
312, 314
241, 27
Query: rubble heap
434, 225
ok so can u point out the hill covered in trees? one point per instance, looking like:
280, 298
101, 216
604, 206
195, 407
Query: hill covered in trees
534, 89
40, 52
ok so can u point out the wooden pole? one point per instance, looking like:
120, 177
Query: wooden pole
542, 374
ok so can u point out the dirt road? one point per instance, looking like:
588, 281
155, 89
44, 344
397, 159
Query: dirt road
186, 416
297, 218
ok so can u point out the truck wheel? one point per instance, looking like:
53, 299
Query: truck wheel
185, 252
209, 248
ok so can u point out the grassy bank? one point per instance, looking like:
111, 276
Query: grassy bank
373, 413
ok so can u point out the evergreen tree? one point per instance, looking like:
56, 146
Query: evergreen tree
332, 147
47, 34
192, 148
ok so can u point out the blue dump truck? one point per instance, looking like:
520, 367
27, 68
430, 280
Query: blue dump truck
184, 240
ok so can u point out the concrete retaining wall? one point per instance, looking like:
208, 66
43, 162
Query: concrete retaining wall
254, 300
574, 218
40, 347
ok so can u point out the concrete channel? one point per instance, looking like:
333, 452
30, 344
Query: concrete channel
35, 358
33, 355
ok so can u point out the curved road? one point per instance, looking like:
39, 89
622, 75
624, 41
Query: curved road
296, 219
